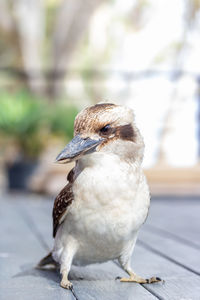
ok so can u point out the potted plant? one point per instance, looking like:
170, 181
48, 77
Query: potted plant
21, 129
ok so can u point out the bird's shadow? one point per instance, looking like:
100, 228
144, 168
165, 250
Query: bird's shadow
89, 273
51, 274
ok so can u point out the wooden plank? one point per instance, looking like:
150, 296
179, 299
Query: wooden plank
99, 279
19, 252
178, 217
24, 282
180, 283
174, 235
39, 215
178, 288
181, 254
110, 290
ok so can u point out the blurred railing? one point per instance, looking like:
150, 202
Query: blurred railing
102, 75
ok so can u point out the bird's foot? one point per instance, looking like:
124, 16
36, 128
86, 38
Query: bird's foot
138, 279
66, 284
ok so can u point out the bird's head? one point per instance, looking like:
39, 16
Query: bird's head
104, 128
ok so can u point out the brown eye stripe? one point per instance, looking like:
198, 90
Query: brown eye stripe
126, 132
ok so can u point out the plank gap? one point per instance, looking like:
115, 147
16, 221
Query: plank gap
146, 246
173, 236
152, 292
31, 224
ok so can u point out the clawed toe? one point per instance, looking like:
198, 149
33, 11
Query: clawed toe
66, 284
154, 279
118, 278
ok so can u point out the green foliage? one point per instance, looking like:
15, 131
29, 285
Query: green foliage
21, 119
19, 115
29, 122
62, 120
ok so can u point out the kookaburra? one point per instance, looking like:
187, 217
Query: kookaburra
97, 215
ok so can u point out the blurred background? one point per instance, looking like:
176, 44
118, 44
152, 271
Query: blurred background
58, 56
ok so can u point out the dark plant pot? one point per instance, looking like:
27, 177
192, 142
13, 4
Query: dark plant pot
19, 174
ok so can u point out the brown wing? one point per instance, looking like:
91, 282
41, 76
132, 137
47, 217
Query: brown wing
61, 203
70, 176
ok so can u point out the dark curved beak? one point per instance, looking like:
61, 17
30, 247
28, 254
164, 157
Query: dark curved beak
77, 148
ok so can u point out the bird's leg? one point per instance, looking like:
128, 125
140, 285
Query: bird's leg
66, 262
135, 278
125, 260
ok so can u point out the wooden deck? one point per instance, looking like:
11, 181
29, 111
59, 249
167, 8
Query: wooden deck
168, 247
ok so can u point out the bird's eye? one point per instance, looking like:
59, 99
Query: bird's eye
106, 129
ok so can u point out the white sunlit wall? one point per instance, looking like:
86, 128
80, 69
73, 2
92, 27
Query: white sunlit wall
151, 100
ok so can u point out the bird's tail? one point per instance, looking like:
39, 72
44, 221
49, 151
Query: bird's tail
47, 260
